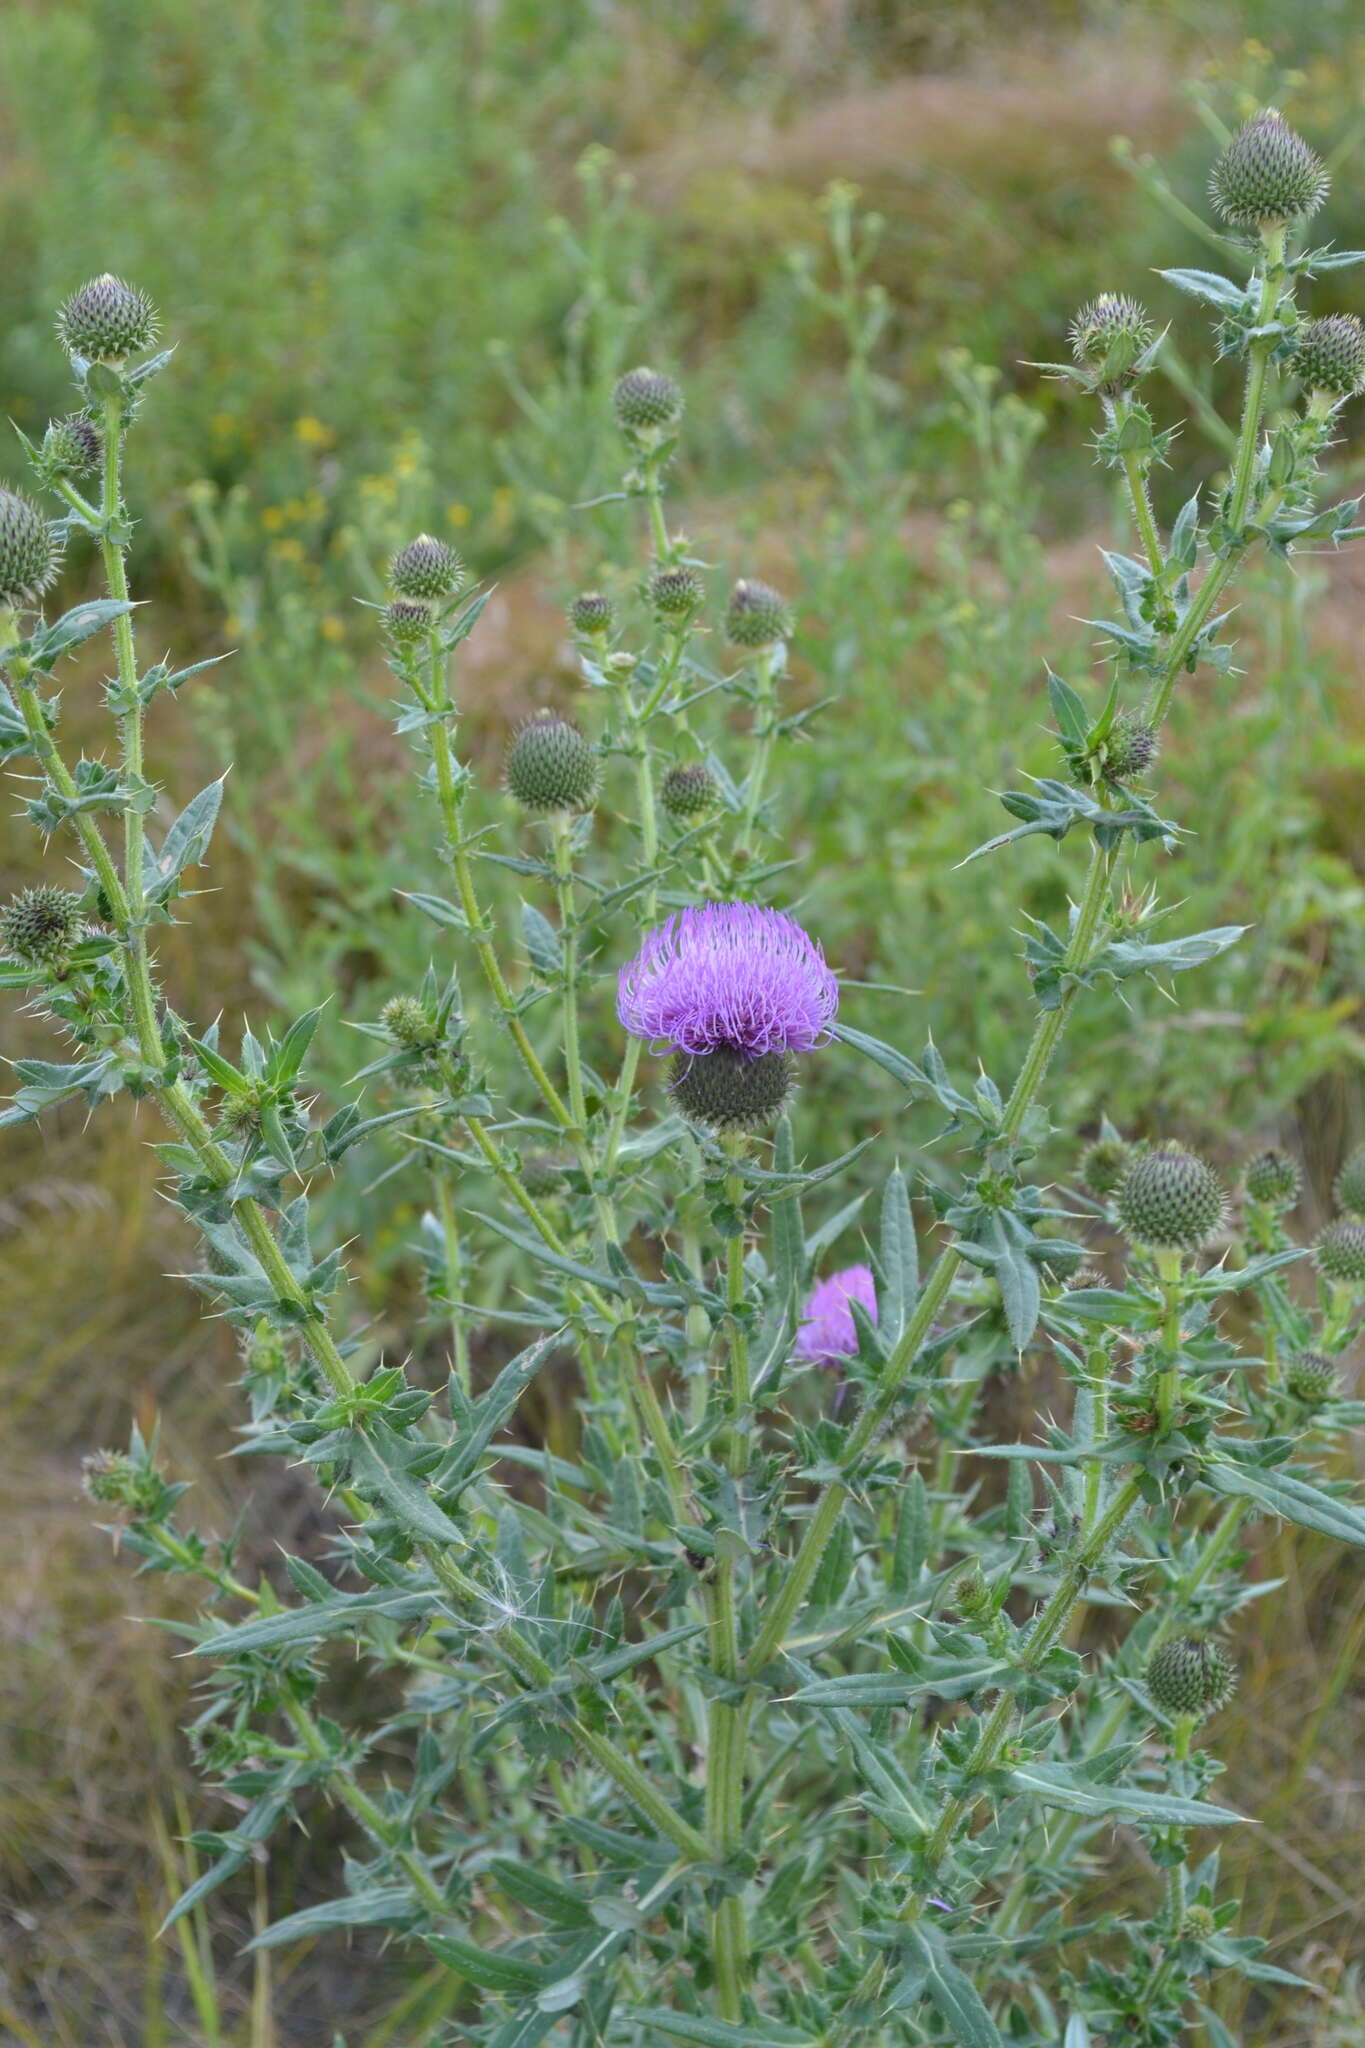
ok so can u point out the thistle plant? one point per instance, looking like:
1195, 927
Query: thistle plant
776, 1702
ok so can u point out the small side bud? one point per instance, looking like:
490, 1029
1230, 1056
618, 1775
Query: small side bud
426, 568
645, 400
1170, 1199
107, 320
1107, 338
40, 926
1329, 355
109, 1478
724, 1091
1273, 1178
592, 615
30, 553
1267, 176
542, 1174
1131, 747
551, 766
971, 1594
1198, 1924
72, 447
1349, 1185
409, 1024
407, 620
688, 792
1339, 1253
675, 593
1188, 1675
1312, 1378
1104, 1165
756, 616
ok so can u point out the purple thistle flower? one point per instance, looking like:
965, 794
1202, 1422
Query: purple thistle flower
828, 1333
729, 977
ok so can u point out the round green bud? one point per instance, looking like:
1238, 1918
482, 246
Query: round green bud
1312, 1378
1329, 354
407, 620
72, 447
29, 550
688, 791
1170, 1199
426, 568
1189, 1675
1273, 1178
645, 400
40, 925
1198, 1924
1340, 1252
542, 1173
756, 616
724, 1091
1107, 338
107, 320
110, 1478
1105, 1163
1267, 175
1349, 1185
1131, 747
1084, 1276
408, 1024
971, 1594
675, 593
552, 767
592, 614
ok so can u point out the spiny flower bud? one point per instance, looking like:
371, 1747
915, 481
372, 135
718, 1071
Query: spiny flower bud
1170, 1199
1273, 1178
552, 767
40, 925
646, 399
1131, 747
1349, 1186
408, 1023
29, 551
1340, 1252
407, 619
72, 447
426, 567
1108, 336
757, 615
1312, 1378
1198, 1924
1267, 175
593, 614
107, 320
1188, 1675
726, 1091
1329, 354
110, 1478
675, 593
687, 791
971, 1593
1083, 1277
1105, 1163
542, 1173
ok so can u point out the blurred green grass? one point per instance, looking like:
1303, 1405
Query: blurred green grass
402, 273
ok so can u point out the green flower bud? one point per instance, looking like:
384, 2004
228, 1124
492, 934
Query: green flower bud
972, 1595
29, 551
1267, 175
1105, 1163
407, 620
1084, 1276
1198, 1924
542, 1173
1188, 1675
675, 593
552, 767
427, 568
408, 1024
1349, 1185
1107, 338
1312, 1378
1329, 354
687, 792
757, 615
1340, 1252
72, 447
1131, 747
40, 925
110, 1478
724, 1091
645, 400
107, 320
1170, 1199
592, 614
1273, 1178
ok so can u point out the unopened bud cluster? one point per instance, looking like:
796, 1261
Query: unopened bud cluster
1340, 1252
756, 616
1191, 1676
1349, 1186
646, 400
1108, 337
1170, 1199
40, 926
1329, 354
107, 321
426, 569
552, 766
688, 791
1267, 176
29, 551
1273, 1178
72, 447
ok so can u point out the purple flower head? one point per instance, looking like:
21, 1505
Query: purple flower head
828, 1332
733, 977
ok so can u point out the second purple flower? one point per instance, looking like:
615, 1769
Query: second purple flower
735, 989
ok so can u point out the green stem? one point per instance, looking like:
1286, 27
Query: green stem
375, 1822
1168, 1266
450, 1237
1142, 510
762, 735
562, 830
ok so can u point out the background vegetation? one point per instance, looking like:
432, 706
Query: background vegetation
405, 251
